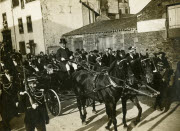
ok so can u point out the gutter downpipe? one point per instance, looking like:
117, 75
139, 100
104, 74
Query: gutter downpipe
13, 25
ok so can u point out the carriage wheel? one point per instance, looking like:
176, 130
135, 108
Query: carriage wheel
53, 102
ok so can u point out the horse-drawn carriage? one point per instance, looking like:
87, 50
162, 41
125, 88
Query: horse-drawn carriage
51, 87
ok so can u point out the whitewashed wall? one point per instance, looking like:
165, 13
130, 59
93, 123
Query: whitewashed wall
151, 25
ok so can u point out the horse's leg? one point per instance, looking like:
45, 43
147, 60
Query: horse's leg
79, 107
84, 111
108, 112
124, 100
94, 108
136, 103
111, 111
114, 121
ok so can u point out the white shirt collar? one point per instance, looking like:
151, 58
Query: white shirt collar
15, 63
8, 77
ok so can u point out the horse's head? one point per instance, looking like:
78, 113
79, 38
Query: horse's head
124, 71
147, 68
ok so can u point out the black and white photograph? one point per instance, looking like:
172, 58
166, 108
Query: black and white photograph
89, 65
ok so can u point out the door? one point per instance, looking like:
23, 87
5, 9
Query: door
174, 16
22, 47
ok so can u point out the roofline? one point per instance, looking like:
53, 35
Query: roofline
118, 30
173, 4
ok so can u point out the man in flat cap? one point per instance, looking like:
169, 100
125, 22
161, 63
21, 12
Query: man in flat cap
64, 55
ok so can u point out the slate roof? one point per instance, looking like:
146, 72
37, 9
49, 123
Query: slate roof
106, 26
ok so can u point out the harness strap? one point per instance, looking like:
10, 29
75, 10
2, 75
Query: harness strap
95, 90
112, 82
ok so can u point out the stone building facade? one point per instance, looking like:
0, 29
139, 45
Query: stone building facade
37, 25
149, 29
155, 30
116, 34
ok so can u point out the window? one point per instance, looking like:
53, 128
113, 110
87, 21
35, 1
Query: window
29, 24
22, 4
27, 1
15, 3
22, 47
20, 24
5, 24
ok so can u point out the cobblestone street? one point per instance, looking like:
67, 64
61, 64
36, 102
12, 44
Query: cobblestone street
150, 121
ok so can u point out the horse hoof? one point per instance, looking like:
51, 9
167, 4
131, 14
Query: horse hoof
94, 111
125, 125
161, 108
84, 123
107, 128
138, 120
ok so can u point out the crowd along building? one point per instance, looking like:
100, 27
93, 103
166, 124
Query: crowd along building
156, 27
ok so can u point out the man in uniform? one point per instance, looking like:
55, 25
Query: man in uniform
9, 98
36, 115
63, 55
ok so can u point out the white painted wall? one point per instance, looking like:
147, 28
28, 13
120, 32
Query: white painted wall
32, 9
151, 25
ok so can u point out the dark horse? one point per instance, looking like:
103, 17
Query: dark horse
101, 87
143, 75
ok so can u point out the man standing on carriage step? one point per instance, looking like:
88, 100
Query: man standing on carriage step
64, 55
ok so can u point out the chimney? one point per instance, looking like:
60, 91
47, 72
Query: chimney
103, 10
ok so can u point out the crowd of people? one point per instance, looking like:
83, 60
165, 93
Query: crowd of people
64, 60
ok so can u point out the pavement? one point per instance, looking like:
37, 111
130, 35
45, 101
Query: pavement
151, 120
